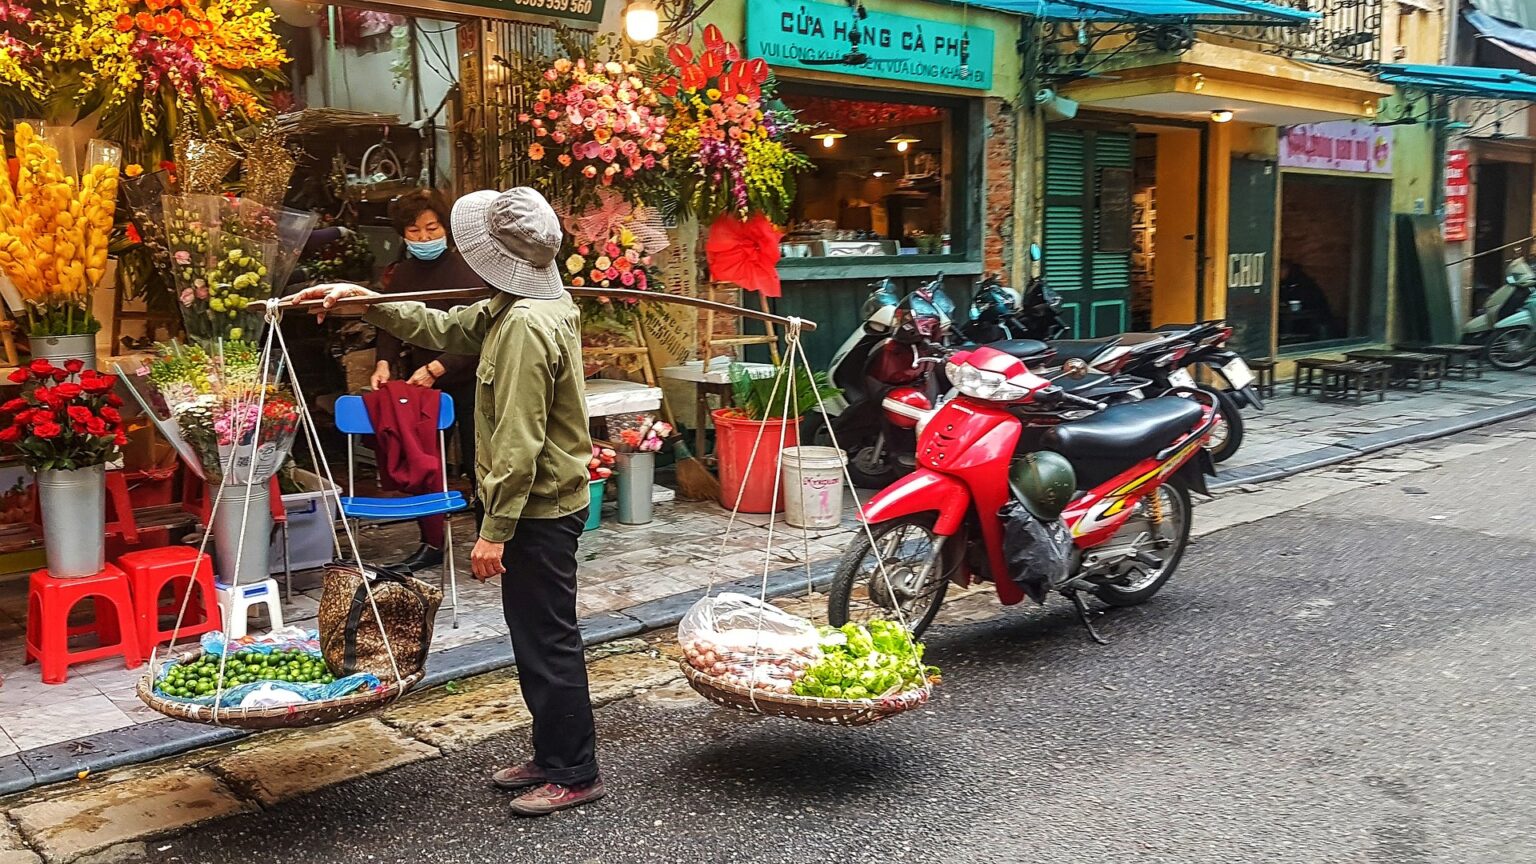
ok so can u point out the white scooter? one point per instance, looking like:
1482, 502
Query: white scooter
1508, 319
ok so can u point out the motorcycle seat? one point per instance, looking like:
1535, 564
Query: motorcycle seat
1021, 348
1082, 349
1024, 349
1104, 444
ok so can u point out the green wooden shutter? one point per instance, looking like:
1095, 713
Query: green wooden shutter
1109, 272
1095, 286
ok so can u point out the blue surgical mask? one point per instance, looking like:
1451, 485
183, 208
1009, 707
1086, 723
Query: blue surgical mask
427, 250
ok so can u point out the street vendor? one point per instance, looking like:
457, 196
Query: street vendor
531, 425
431, 263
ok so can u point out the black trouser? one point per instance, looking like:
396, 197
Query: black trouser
538, 596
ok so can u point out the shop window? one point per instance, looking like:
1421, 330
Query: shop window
887, 178
1329, 258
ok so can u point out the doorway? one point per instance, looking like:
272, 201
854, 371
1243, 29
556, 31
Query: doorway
1165, 226
1503, 216
1331, 258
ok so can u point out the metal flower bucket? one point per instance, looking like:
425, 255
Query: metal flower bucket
74, 513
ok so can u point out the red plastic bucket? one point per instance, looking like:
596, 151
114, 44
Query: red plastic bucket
735, 436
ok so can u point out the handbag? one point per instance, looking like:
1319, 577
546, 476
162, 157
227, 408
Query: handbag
351, 638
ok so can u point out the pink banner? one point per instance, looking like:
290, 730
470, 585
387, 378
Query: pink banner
1345, 145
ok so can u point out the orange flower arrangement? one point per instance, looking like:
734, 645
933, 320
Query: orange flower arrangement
146, 60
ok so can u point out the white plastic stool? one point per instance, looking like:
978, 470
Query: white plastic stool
236, 603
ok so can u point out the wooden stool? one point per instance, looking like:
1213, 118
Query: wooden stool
49, 602
1340, 380
1462, 362
181, 567
1264, 376
1312, 367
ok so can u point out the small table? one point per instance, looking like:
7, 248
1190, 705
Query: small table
1409, 368
1462, 362
714, 379
1357, 378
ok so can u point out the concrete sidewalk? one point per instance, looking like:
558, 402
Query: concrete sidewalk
637, 578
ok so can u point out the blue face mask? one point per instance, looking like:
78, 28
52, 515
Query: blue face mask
427, 250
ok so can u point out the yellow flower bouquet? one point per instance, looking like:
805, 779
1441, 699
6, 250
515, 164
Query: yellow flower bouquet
55, 226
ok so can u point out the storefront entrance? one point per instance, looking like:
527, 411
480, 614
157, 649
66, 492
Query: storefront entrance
1332, 261
1122, 229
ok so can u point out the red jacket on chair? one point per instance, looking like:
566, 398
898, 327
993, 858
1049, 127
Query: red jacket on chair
404, 418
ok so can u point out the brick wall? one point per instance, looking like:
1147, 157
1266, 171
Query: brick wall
999, 154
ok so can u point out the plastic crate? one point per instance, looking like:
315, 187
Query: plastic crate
311, 517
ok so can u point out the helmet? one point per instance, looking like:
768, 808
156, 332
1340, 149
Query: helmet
994, 301
1043, 482
879, 312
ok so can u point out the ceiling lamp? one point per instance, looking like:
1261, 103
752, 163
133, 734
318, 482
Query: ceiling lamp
1221, 115
902, 142
879, 174
641, 21
829, 137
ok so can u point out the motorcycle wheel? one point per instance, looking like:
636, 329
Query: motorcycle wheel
1228, 434
1511, 348
915, 576
863, 469
1178, 510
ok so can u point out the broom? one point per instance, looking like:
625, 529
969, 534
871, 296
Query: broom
694, 481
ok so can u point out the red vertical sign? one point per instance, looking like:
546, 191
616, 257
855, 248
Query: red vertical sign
1456, 191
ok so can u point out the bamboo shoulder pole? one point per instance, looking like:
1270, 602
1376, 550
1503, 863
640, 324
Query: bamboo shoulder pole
353, 306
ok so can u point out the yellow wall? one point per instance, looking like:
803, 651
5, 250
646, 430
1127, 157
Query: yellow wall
1178, 220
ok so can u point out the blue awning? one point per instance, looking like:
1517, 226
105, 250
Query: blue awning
1215, 11
1475, 81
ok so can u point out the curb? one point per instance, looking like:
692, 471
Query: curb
146, 742
159, 739
1374, 442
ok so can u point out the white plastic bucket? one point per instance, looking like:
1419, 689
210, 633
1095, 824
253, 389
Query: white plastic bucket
813, 486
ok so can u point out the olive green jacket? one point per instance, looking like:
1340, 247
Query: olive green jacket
531, 435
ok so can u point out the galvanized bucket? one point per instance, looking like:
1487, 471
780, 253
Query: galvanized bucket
57, 349
636, 473
234, 519
74, 505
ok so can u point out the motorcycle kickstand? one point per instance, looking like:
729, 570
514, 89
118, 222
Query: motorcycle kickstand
1084, 616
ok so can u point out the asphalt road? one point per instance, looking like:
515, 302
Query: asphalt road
1351, 682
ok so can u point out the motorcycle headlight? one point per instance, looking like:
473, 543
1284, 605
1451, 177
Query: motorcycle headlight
991, 386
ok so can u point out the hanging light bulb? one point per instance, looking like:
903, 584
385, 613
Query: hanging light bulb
965, 54
641, 21
829, 138
903, 142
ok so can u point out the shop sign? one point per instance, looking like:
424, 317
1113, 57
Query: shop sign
1457, 187
900, 48
1345, 145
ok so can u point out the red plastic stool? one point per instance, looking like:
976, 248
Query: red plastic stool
182, 568
49, 603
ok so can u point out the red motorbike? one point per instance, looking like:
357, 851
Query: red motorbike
1128, 519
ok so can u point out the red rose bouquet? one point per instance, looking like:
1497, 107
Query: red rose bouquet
58, 424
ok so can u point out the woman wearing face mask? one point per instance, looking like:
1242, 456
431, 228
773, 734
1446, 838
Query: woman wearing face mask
430, 263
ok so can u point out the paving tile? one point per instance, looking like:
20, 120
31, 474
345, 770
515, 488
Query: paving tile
275, 768
64, 721
105, 814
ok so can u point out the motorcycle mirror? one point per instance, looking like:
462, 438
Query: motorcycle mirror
1076, 368
1034, 251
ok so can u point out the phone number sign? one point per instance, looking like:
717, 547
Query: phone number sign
570, 10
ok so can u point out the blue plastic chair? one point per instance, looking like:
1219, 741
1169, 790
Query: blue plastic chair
352, 420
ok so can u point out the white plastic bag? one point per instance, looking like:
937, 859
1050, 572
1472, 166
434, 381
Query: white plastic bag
759, 645
269, 695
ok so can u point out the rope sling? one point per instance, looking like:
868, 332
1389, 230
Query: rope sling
730, 691
367, 696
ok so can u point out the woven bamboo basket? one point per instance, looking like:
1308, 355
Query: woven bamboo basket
830, 712
297, 716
